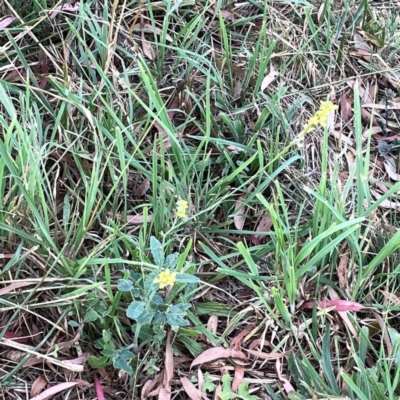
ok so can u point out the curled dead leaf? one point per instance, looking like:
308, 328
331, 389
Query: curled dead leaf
273, 73
190, 389
391, 170
38, 385
216, 353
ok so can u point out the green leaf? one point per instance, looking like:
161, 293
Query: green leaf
98, 362
171, 261
176, 315
157, 299
157, 251
159, 318
125, 354
144, 318
135, 309
91, 316
186, 278
106, 335
227, 394
125, 285
208, 385
119, 363
108, 352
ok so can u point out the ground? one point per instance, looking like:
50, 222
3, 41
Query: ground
199, 199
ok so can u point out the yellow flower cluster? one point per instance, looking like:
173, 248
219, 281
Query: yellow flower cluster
181, 208
165, 278
321, 116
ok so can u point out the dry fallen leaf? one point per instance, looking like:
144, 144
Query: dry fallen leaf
16, 285
138, 219
6, 21
216, 353
336, 305
342, 270
266, 356
287, 386
212, 324
390, 106
391, 171
237, 378
48, 393
98, 388
236, 342
149, 28
190, 389
345, 107
239, 219
273, 73
38, 385
386, 203
361, 45
143, 188
64, 7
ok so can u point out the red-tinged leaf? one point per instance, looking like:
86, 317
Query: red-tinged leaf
395, 300
64, 7
16, 338
38, 385
49, 393
217, 353
273, 73
336, 305
149, 386
16, 285
237, 378
345, 107
43, 69
287, 386
138, 219
165, 394
267, 356
190, 389
98, 388
6, 21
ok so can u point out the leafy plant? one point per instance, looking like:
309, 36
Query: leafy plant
227, 394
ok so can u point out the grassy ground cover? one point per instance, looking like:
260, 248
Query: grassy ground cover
199, 199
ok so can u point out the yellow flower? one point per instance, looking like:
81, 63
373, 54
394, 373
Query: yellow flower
165, 278
181, 207
321, 116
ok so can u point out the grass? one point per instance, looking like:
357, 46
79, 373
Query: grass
115, 111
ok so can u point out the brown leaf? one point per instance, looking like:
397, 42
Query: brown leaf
236, 342
237, 378
390, 169
361, 46
64, 7
386, 203
149, 28
239, 219
320, 11
143, 188
190, 389
169, 361
345, 107
342, 271
149, 386
273, 73
395, 300
217, 353
48, 393
267, 356
147, 48
264, 225
38, 385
